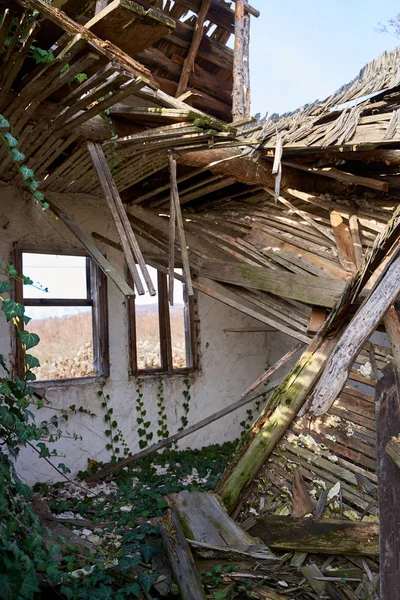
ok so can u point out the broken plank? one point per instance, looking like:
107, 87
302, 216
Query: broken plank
388, 425
325, 536
317, 319
180, 557
363, 324
302, 502
318, 291
344, 242
94, 253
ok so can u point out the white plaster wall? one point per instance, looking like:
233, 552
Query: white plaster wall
229, 362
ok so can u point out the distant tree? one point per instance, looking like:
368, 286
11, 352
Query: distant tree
391, 26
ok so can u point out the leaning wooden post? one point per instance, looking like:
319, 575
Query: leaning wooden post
241, 67
392, 325
387, 426
282, 407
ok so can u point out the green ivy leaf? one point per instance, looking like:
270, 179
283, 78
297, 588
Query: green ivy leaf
132, 589
147, 552
5, 287
147, 580
104, 592
31, 361
29, 339
12, 309
128, 562
80, 77
29, 585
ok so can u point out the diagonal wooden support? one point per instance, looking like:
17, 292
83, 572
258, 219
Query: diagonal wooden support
127, 237
179, 226
194, 46
95, 254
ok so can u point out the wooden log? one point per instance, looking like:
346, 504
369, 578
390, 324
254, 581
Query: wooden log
241, 66
344, 242
325, 536
194, 47
393, 449
281, 409
95, 254
387, 426
317, 291
363, 324
204, 519
180, 557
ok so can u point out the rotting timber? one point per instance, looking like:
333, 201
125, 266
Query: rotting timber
334, 202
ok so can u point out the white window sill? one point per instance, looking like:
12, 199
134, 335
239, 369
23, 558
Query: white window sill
43, 383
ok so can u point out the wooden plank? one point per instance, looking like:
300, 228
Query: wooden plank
180, 557
116, 217
356, 237
388, 425
325, 536
363, 324
318, 291
344, 242
194, 47
302, 503
172, 229
97, 256
130, 26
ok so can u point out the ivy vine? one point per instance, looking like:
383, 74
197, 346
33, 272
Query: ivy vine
143, 430
163, 431
114, 435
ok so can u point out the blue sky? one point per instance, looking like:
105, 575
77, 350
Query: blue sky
301, 51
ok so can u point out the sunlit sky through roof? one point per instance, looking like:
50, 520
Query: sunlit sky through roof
303, 51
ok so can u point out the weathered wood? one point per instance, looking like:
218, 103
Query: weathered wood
97, 256
241, 66
172, 229
130, 26
347, 178
281, 409
393, 449
388, 425
344, 242
356, 237
303, 288
317, 319
180, 557
302, 502
194, 47
392, 325
204, 519
363, 324
325, 536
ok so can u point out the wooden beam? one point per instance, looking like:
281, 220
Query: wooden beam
94, 253
387, 426
180, 557
194, 46
241, 66
392, 325
325, 536
172, 229
363, 324
346, 178
318, 291
356, 237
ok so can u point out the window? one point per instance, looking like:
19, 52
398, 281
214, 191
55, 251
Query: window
67, 304
161, 336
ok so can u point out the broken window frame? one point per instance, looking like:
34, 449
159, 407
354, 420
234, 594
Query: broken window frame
97, 299
166, 357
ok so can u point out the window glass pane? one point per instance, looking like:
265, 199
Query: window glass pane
147, 328
63, 276
180, 327
65, 349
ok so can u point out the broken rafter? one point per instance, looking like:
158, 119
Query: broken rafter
127, 237
194, 46
241, 66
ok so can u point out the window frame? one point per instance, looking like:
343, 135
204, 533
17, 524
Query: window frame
97, 299
166, 358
